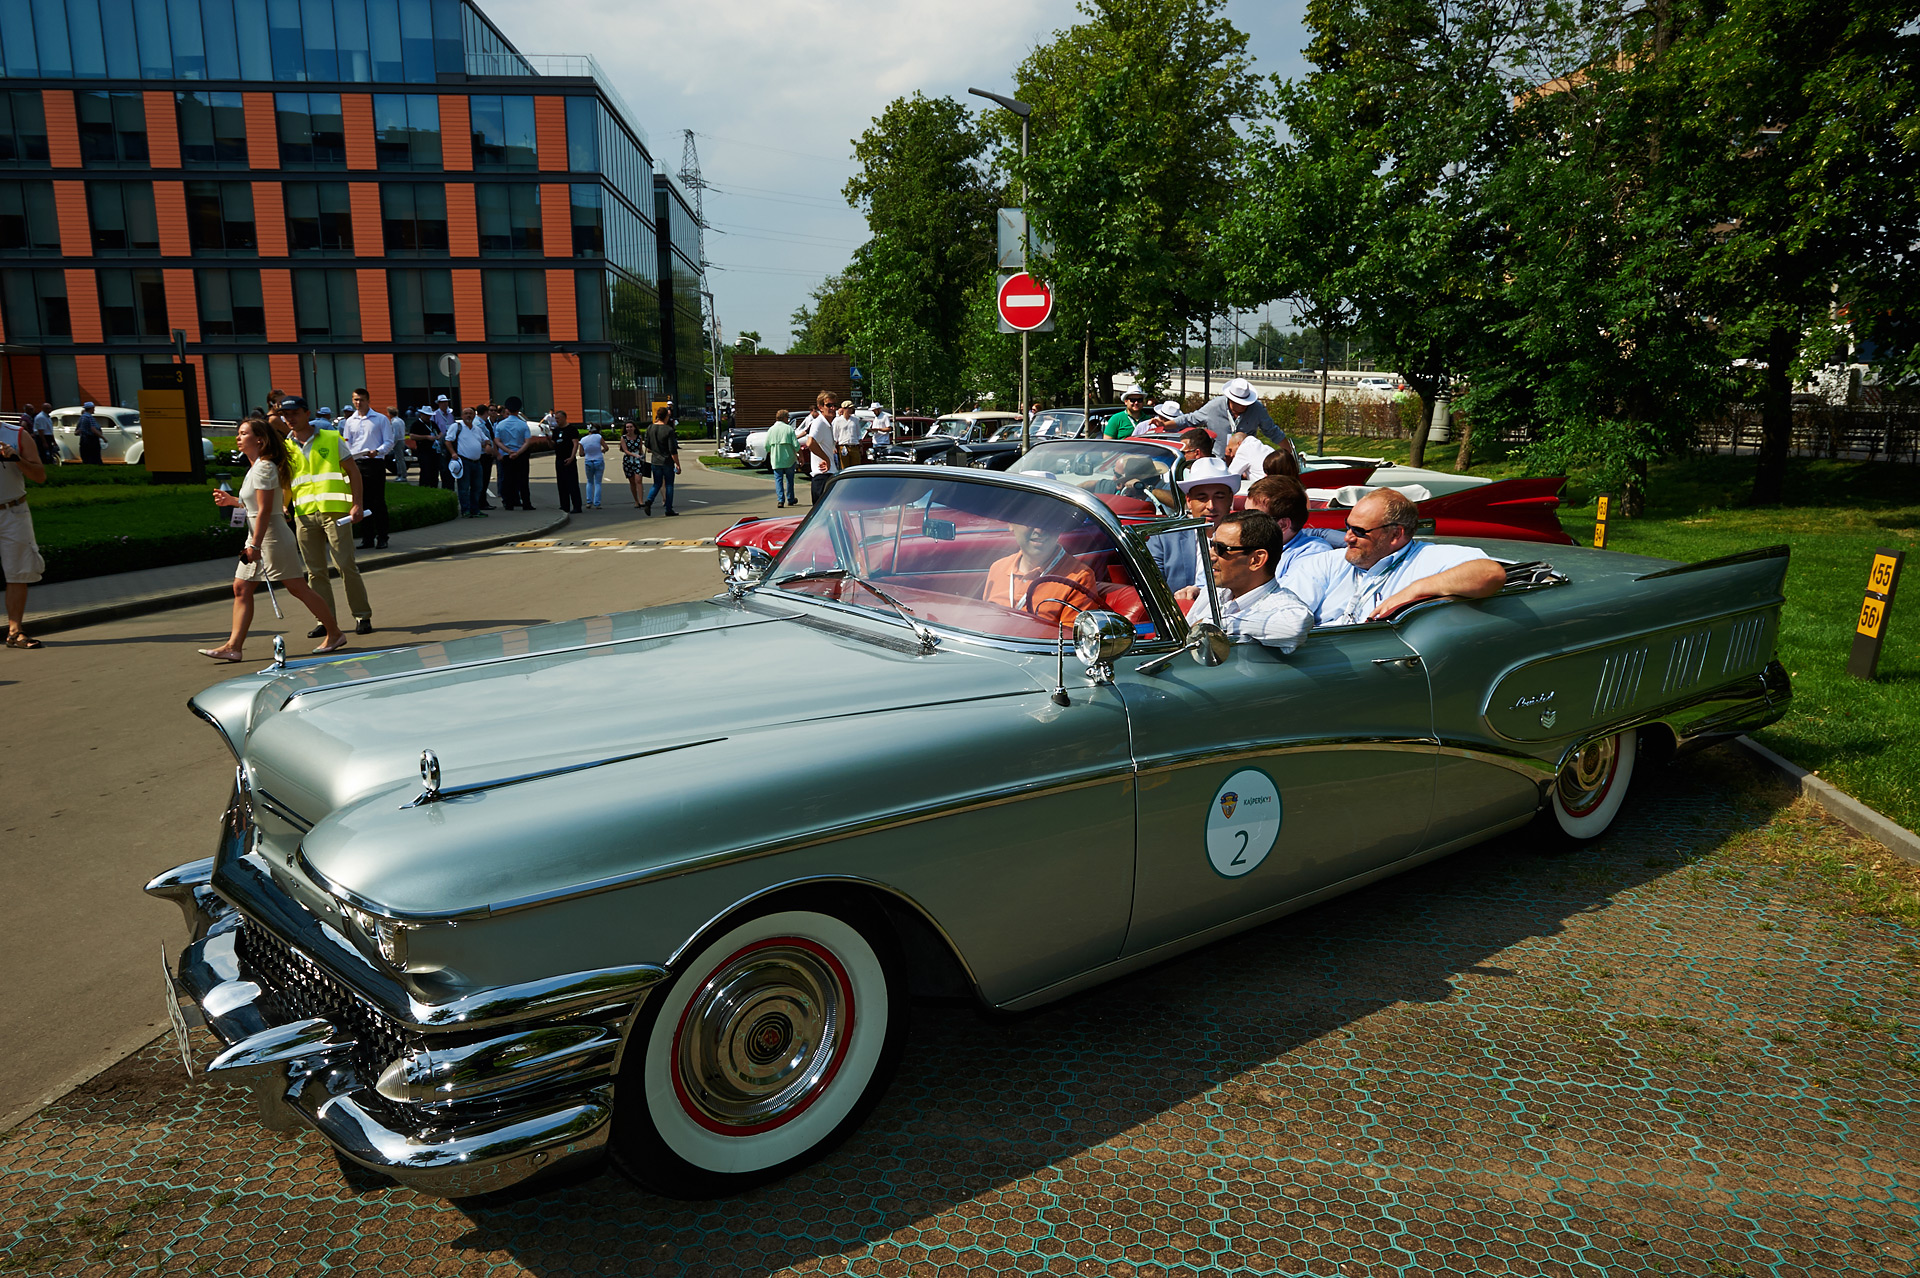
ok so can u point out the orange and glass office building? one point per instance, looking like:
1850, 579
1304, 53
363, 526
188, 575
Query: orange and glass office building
324, 194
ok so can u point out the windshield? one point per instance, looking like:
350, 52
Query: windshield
968, 555
1140, 476
951, 427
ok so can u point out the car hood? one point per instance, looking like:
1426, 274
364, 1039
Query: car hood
524, 716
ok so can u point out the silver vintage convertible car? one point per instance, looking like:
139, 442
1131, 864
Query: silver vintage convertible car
475, 916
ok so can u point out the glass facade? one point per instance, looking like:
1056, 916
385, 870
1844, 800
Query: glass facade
275, 180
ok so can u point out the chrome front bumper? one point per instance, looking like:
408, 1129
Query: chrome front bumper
451, 1112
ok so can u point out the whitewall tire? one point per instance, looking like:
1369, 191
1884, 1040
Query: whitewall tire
1593, 784
773, 1041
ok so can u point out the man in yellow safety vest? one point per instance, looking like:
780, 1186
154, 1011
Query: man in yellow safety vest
326, 505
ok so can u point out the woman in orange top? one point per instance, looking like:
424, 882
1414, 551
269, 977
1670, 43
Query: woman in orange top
1041, 555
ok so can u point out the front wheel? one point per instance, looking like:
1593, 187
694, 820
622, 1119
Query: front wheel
1593, 784
773, 1042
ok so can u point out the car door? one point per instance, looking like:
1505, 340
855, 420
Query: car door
1270, 777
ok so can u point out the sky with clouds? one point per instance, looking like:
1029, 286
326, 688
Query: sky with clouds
776, 92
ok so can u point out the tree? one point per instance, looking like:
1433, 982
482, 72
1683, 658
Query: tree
823, 328
1797, 126
1133, 134
929, 197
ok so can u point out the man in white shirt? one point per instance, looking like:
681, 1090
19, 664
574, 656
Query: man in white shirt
849, 435
1384, 569
469, 442
882, 431
397, 442
1282, 498
816, 441
1254, 608
1247, 457
368, 436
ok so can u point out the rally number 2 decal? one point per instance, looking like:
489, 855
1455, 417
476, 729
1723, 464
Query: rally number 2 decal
1243, 822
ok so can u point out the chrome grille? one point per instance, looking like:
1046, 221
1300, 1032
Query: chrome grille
293, 987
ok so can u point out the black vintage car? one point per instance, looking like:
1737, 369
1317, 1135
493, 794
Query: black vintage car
941, 445
998, 452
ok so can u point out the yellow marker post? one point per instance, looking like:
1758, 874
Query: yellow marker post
1870, 631
1600, 505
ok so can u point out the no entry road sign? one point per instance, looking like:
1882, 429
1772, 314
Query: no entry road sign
1025, 303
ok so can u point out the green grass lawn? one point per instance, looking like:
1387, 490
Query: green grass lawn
1863, 737
121, 523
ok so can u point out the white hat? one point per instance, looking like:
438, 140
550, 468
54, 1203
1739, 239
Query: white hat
875, 406
1208, 470
1240, 391
1167, 410
443, 400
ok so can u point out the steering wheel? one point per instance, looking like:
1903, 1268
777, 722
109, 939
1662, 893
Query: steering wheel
1026, 601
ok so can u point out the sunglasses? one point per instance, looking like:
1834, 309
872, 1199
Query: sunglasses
1225, 551
1364, 533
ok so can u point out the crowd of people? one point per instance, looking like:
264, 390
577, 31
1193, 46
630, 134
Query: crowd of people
314, 491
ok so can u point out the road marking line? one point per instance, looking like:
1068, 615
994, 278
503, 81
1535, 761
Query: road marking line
620, 542
637, 550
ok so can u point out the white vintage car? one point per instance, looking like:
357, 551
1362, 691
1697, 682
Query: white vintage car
120, 426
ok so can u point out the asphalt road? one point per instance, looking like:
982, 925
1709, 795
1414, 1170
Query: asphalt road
111, 780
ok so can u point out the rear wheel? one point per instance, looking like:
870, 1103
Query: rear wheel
1593, 784
773, 1042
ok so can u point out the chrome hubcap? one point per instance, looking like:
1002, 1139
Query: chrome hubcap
1585, 779
761, 1038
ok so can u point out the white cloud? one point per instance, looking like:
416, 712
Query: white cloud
799, 79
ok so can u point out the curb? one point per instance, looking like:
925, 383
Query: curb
73, 618
1843, 807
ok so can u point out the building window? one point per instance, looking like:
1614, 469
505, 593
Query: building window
312, 133
122, 218
590, 304
113, 128
231, 308
213, 130
237, 384
28, 223
36, 304
319, 219
220, 219
133, 305
516, 305
509, 217
326, 305
334, 379
503, 132
414, 218
406, 130
23, 128
589, 231
528, 376
421, 303
583, 144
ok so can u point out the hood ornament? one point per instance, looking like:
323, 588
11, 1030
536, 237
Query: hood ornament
429, 778
279, 652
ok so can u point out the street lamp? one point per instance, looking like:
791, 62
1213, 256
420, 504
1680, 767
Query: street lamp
1023, 110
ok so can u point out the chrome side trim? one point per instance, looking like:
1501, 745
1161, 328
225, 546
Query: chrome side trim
549, 996
474, 664
282, 811
1235, 753
443, 794
1534, 769
772, 847
439, 1075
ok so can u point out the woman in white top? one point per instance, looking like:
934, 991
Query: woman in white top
593, 451
271, 552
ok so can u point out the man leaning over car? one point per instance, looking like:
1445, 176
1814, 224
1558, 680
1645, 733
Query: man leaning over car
1384, 569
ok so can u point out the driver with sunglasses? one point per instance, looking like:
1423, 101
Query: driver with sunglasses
1384, 569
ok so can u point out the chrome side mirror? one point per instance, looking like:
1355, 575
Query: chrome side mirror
1099, 639
1207, 642
743, 566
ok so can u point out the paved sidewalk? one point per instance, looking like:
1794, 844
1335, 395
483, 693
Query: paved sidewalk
65, 605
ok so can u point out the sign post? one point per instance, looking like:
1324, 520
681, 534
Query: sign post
1600, 505
1870, 631
1026, 306
170, 424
